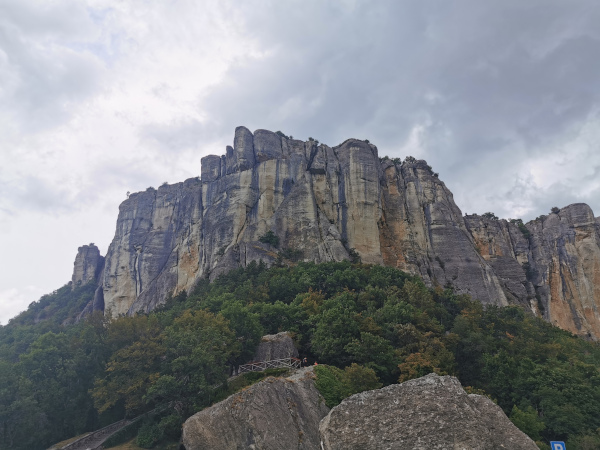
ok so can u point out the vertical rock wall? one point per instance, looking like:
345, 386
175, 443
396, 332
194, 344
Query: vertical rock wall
329, 203
88, 265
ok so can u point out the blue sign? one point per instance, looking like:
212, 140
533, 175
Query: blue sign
555, 445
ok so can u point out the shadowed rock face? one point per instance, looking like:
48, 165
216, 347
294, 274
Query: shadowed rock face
327, 201
277, 413
427, 413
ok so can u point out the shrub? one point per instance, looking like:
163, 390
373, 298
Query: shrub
336, 384
490, 215
270, 238
291, 254
354, 256
148, 435
281, 134
519, 223
555, 210
170, 426
528, 421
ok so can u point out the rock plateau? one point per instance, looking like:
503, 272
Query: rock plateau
333, 203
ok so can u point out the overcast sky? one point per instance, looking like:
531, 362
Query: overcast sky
101, 97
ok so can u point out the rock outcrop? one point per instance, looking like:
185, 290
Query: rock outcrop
550, 265
274, 414
334, 203
275, 346
88, 265
427, 413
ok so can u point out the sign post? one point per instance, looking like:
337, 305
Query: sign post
556, 445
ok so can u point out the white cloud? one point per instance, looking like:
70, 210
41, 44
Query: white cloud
15, 300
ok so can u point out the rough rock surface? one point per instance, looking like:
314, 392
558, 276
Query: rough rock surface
427, 413
327, 201
276, 346
88, 265
277, 413
551, 265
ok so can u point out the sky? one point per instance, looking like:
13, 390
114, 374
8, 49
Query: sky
103, 97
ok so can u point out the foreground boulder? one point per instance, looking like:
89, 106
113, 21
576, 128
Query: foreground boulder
427, 413
277, 413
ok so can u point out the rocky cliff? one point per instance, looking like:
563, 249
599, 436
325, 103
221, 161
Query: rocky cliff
550, 265
427, 413
334, 203
88, 265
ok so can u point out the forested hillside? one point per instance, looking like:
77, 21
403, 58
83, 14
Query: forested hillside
58, 379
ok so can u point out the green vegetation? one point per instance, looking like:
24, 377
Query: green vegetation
270, 238
336, 384
291, 254
365, 325
490, 215
519, 223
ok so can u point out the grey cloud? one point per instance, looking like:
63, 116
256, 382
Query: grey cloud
490, 83
177, 136
42, 76
35, 194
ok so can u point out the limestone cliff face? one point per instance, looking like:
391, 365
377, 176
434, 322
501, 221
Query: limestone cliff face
332, 202
551, 266
88, 265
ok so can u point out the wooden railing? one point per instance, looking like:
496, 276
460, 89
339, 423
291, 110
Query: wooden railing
257, 366
94, 439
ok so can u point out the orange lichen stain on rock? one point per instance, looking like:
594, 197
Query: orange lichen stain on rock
189, 261
391, 174
593, 322
390, 241
560, 310
187, 268
482, 246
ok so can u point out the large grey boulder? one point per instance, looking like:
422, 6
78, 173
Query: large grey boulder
428, 413
275, 414
276, 346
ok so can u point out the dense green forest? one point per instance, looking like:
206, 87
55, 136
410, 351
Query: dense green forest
370, 325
